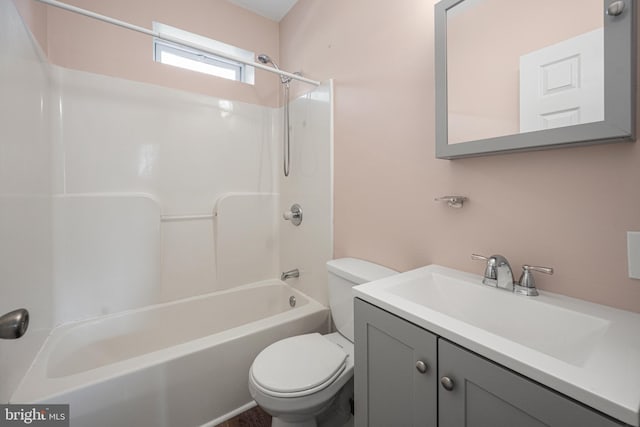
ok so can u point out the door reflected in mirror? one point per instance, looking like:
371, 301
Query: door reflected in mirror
516, 66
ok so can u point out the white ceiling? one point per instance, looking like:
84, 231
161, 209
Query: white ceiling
272, 9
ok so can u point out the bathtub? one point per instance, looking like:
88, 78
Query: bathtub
178, 364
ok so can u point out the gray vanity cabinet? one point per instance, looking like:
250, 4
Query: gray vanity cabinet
484, 394
392, 390
395, 371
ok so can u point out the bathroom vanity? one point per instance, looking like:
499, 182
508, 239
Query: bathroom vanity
435, 347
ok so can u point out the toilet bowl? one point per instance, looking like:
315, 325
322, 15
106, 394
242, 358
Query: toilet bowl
298, 378
295, 392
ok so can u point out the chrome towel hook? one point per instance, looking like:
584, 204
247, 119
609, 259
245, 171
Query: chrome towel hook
455, 202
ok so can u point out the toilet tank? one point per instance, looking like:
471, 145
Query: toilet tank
344, 273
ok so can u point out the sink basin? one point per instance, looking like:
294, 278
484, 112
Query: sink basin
558, 332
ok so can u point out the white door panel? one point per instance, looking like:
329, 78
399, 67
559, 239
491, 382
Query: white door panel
563, 84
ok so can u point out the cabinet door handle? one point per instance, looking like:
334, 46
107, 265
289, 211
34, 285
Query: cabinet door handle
421, 366
447, 383
14, 324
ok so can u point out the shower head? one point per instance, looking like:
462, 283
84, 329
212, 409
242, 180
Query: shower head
266, 59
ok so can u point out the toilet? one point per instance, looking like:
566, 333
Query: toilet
296, 379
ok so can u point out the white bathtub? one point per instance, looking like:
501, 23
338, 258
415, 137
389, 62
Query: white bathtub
179, 364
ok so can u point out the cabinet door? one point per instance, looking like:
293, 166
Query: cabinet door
390, 387
485, 394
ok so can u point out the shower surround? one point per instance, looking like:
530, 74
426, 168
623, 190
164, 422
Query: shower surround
121, 195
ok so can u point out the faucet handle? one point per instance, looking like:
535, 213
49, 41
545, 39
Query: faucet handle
490, 271
479, 257
545, 270
527, 284
294, 215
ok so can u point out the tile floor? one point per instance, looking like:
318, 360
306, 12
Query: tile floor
254, 417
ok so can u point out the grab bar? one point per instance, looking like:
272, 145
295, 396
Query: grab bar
170, 218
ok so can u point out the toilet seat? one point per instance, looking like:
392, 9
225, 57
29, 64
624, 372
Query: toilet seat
298, 366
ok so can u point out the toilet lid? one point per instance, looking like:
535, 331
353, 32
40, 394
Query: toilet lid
298, 364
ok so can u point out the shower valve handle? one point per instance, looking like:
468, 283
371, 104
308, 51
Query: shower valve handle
294, 215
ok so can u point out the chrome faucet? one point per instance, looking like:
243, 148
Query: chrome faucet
289, 274
498, 272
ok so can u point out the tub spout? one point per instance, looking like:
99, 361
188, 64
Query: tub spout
289, 274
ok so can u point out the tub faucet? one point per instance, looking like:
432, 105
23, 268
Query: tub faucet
498, 272
289, 274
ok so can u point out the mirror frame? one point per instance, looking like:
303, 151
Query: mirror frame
619, 95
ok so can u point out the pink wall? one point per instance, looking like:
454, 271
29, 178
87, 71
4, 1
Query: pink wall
566, 208
84, 44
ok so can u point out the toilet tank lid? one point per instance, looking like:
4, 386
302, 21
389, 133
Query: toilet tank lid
358, 271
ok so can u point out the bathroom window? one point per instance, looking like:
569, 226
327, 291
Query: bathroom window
196, 60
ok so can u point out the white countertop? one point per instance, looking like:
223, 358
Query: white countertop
605, 376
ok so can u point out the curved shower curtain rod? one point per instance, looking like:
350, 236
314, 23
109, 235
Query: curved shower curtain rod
171, 39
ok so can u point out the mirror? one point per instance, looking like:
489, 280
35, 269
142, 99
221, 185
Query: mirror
515, 75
